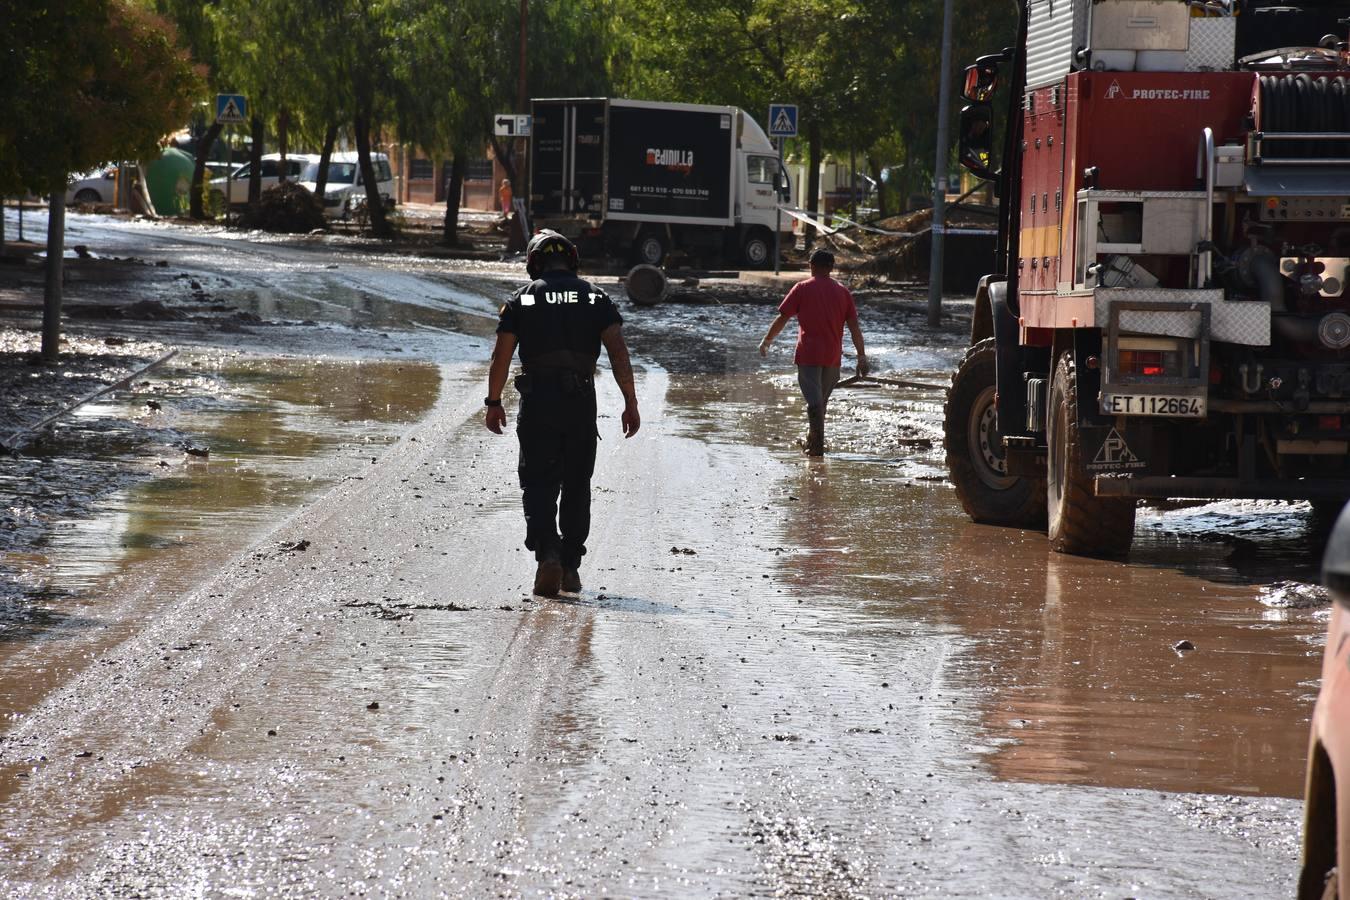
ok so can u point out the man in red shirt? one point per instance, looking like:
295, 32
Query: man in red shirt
823, 307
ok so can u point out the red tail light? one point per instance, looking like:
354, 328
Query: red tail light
1329, 423
1141, 362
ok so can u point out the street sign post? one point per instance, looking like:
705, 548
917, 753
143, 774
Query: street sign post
513, 126
782, 120
231, 109
782, 124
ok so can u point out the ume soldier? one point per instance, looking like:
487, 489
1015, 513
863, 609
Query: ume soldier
559, 322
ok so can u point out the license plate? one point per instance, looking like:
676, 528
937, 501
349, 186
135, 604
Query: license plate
1153, 405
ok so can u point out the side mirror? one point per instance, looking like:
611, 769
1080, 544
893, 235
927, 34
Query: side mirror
781, 184
982, 79
976, 144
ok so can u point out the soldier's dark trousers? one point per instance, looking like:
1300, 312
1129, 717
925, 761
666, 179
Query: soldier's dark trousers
556, 428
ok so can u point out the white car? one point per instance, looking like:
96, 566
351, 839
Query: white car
271, 174
345, 193
98, 186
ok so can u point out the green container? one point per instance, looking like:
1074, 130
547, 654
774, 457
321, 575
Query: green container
170, 178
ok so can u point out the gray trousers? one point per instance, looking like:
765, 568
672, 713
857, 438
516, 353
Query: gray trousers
817, 383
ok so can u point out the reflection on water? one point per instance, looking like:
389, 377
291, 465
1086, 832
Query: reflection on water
266, 424
1070, 671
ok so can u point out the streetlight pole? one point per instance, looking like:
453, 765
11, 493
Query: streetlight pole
935, 261
522, 101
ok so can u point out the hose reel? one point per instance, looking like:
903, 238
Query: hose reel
1302, 104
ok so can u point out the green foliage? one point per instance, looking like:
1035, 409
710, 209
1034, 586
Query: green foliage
84, 82
865, 71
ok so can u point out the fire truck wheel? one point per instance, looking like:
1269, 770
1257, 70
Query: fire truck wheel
1081, 523
975, 456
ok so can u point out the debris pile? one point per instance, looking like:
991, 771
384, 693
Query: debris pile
902, 252
288, 208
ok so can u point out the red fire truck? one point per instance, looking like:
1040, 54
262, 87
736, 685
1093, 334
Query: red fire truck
1168, 315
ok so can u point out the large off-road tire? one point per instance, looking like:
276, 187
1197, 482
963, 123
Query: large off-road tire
1080, 523
975, 456
1323, 517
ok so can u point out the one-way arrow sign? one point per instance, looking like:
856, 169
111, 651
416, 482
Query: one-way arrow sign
507, 125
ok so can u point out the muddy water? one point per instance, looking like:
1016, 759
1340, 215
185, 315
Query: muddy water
1071, 674
276, 431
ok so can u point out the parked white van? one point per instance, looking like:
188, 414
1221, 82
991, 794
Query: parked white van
345, 192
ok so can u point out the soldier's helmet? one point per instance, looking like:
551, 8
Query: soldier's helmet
543, 244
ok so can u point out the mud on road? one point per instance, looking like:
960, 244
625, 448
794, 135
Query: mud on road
309, 664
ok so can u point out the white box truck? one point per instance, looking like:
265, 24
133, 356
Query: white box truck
635, 179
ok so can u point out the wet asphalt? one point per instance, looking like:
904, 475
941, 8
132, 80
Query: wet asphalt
310, 666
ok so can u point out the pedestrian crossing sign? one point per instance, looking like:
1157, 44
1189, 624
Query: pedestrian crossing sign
782, 120
231, 109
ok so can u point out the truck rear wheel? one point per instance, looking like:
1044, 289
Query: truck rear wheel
649, 249
975, 456
1081, 523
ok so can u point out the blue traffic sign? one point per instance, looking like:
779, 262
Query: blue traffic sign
231, 109
782, 120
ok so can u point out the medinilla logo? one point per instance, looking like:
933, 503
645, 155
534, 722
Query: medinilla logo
678, 160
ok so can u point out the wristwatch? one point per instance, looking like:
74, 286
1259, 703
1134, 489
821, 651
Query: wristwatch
488, 401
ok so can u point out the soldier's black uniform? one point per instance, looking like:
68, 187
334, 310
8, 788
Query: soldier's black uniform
557, 320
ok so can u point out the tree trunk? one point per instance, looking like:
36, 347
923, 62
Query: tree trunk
503, 156
907, 175
874, 165
452, 194
255, 165
812, 176
196, 206
325, 157
51, 295
379, 225
283, 126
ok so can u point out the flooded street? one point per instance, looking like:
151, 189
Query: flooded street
308, 662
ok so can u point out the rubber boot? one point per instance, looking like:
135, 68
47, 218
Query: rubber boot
571, 580
815, 435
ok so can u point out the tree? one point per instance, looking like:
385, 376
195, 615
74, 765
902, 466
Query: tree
863, 72
196, 26
88, 81
459, 66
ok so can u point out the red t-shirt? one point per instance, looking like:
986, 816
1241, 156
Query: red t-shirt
822, 306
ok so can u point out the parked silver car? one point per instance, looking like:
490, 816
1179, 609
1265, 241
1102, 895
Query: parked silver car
98, 186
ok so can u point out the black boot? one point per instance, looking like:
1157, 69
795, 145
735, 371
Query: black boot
548, 578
